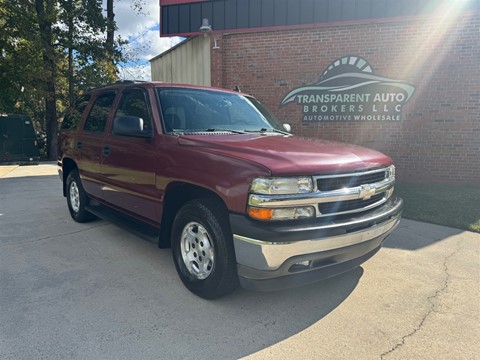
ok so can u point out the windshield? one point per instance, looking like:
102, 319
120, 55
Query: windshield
190, 110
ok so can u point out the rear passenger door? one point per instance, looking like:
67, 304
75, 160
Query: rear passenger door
128, 163
89, 144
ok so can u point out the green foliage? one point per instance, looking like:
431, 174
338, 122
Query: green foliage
19, 57
50, 51
455, 206
90, 64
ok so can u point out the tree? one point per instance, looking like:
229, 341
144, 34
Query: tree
49, 51
111, 27
19, 54
81, 36
46, 17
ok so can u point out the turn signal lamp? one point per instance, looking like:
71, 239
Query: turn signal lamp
303, 212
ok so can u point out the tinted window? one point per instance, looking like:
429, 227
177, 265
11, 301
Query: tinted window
74, 114
97, 118
134, 103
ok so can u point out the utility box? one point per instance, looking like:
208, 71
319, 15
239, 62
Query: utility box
18, 142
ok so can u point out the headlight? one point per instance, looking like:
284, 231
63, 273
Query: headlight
282, 186
303, 212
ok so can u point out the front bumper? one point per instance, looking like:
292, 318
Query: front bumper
60, 169
275, 256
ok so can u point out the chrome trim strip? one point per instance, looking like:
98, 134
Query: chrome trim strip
371, 206
387, 169
269, 255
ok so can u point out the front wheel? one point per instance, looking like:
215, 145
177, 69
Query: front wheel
202, 249
76, 199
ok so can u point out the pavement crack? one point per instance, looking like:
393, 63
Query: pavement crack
431, 299
52, 237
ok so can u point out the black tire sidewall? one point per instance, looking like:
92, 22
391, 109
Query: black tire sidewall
81, 215
223, 277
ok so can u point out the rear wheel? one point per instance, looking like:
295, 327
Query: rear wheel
76, 199
202, 249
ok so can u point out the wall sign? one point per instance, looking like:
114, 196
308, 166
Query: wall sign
349, 91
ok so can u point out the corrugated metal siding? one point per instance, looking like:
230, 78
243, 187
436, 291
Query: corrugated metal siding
186, 18
188, 63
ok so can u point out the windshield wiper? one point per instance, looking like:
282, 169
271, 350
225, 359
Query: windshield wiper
226, 130
264, 130
190, 131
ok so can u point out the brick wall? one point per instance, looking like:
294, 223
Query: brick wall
438, 138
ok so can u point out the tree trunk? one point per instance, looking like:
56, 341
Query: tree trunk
110, 31
45, 15
70, 24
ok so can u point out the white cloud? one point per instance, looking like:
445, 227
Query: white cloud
152, 44
135, 72
141, 29
130, 22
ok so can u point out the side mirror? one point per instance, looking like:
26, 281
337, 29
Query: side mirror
130, 126
287, 127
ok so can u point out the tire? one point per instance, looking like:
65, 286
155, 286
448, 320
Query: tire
76, 199
202, 249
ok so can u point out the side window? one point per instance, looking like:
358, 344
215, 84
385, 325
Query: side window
74, 114
97, 119
134, 103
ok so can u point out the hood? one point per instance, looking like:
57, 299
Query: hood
290, 155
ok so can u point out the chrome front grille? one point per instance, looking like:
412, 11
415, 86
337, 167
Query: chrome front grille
350, 205
371, 189
337, 194
349, 181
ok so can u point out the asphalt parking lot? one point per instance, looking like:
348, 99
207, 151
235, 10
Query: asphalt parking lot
95, 291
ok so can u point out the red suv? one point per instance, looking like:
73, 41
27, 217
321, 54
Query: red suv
214, 175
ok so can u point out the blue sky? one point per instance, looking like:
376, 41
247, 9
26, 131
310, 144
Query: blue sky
142, 31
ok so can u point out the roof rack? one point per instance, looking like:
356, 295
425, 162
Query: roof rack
118, 82
129, 81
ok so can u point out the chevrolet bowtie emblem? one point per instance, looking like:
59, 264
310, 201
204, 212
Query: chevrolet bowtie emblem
366, 192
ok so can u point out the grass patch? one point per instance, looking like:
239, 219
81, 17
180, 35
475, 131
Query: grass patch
454, 206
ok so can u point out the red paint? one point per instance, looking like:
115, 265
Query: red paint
290, 155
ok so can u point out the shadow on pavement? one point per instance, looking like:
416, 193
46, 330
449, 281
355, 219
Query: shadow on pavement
414, 235
264, 319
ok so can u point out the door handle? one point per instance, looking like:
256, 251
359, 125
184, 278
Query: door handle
79, 146
106, 151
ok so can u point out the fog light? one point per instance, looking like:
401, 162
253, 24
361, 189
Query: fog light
300, 266
303, 263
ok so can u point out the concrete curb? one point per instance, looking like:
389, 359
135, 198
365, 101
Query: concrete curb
5, 169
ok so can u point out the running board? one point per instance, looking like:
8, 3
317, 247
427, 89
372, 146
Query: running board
137, 227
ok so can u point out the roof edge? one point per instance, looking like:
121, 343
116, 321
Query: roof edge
173, 47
